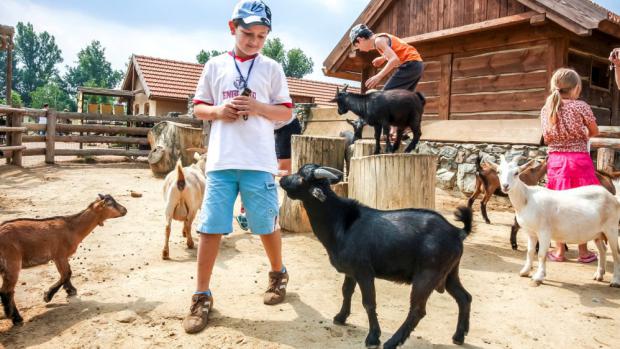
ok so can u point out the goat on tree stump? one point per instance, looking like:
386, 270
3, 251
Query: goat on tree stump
382, 109
169, 141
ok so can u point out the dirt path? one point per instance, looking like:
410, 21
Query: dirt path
128, 297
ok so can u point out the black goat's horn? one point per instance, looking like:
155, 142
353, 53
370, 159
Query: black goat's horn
323, 173
346, 86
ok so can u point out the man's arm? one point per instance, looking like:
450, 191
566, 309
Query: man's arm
393, 62
225, 112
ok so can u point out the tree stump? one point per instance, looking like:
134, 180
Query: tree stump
366, 147
169, 141
325, 151
394, 181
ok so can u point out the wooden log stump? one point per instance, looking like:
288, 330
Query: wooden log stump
169, 141
394, 181
366, 147
325, 151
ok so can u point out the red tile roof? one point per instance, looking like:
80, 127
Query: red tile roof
168, 79
322, 92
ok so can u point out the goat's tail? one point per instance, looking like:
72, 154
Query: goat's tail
465, 215
180, 176
422, 98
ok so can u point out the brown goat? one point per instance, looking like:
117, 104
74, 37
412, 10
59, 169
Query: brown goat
26, 243
487, 181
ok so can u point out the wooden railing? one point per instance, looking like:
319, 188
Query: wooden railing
19, 133
606, 145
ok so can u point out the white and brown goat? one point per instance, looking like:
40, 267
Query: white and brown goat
26, 243
184, 188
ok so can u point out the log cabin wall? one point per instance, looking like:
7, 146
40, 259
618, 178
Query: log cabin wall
408, 18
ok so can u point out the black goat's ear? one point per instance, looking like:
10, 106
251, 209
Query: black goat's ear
318, 194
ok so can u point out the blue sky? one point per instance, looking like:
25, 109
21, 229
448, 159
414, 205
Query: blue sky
180, 29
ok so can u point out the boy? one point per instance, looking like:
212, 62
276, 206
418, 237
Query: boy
614, 58
398, 55
241, 156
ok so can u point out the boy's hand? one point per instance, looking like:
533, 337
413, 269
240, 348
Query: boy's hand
379, 61
246, 106
227, 113
373, 81
614, 57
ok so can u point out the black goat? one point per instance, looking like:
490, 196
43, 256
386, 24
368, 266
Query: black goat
382, 109
413, 246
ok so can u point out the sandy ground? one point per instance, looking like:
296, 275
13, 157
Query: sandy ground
128, 297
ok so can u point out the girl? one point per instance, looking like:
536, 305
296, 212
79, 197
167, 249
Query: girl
567, 124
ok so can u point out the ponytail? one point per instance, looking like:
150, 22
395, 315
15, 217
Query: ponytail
552, 105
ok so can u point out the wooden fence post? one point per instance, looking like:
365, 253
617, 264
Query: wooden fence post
50, 135
605, 159
17, 139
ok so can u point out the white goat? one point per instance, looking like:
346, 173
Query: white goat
573, 216
183, 192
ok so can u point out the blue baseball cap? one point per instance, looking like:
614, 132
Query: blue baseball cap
252, 12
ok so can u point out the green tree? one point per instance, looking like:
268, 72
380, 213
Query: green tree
204, 56
294, 62
92, 70
52, 94
3, 73
37, 56
297, 64
274, 49
16, 100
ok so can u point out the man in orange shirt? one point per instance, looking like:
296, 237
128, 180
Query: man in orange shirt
398, 55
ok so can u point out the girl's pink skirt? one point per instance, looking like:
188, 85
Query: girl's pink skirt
570, 170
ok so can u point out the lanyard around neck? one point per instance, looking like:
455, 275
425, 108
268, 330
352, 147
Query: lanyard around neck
244, 79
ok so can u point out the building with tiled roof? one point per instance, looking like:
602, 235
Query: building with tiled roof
161, 86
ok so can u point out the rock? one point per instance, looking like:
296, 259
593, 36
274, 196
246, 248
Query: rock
469, 147
460, 157
424, 148
446, 179
126, 316
471, 159
448, 152
445, 164
465, 179
135, 194
518, 147
494, 149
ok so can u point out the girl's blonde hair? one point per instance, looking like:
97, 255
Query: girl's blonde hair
563, 81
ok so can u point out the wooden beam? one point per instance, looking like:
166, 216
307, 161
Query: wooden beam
102, 139
50, 134
7, 30
12, 148
97, 91
5, 109
492, 24
560, 20
445, 85
605, 158
538, 19
101, 152
609, 132
612, 143
354, 76
103, 129
9, 72
124, 118
12, 129
610, 28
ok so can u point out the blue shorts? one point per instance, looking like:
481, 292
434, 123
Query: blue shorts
258, 194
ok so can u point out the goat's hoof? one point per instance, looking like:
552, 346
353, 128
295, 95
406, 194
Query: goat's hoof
390, 344
165, 255
17, 321
524, 273
537, 282
598, 276
515, 247
614, 285
487, 221
47, 297
372, 343
458, 339
340, 319
190, 246
71, 292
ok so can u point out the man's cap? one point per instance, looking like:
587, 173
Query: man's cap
357, 30
252, 12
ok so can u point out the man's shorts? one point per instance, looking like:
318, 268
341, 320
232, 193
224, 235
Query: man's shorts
283, 139
258, 194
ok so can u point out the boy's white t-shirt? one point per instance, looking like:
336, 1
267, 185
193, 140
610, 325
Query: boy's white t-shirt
243, 144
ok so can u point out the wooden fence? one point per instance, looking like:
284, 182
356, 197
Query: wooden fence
104, 130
